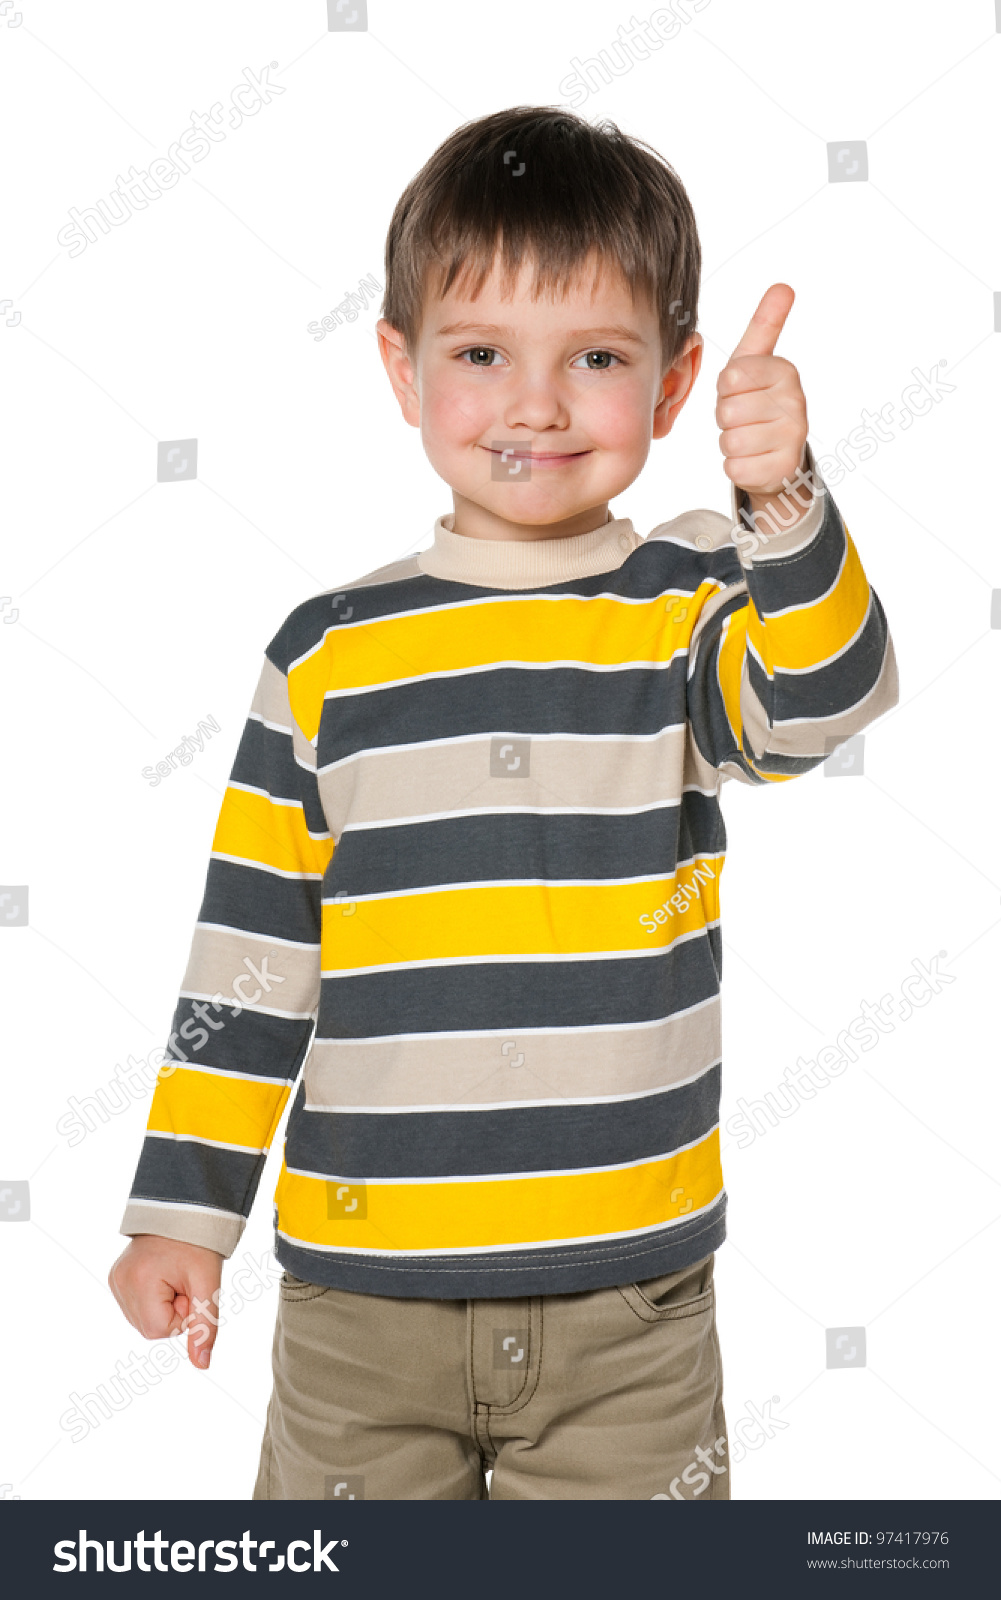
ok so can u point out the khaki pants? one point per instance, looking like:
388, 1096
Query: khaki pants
613, 1394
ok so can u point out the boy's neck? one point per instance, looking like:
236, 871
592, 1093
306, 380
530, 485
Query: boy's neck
474, 521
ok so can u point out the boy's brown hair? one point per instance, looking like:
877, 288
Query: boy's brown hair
540, 182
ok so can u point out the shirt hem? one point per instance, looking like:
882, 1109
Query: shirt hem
572, 1269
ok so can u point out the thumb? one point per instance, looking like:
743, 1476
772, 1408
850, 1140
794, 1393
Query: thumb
196, 1311
762, 332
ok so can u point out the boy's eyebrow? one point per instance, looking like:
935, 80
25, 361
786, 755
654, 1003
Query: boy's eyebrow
616, 330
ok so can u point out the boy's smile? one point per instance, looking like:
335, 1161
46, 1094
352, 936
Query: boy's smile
538, 412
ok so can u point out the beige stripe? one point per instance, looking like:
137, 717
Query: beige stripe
271, 698
536, 1066
192, 1225
217, 960
272, 703
525, 563
432, 779
699, 772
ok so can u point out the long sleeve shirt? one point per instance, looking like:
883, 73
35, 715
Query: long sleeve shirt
463, 902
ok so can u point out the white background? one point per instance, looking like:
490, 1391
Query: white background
143, 607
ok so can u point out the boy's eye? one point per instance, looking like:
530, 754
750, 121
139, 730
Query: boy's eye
604, 356
482, 356
477, 351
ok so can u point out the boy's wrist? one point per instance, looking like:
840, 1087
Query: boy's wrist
783, 507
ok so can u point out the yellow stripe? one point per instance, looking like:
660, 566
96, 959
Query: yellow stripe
232, 1110
814, 633
730, 666
570, 628
504, 1211
513, 919
730, 670
253, 828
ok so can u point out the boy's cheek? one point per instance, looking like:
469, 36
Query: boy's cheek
453, 419
622, 421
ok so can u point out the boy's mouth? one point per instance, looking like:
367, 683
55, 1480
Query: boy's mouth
540, 458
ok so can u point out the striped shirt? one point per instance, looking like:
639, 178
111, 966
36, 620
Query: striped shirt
463, 903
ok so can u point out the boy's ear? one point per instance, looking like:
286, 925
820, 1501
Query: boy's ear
400, 370
676, 385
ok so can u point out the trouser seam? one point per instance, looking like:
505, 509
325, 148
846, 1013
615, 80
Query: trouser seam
522, 1399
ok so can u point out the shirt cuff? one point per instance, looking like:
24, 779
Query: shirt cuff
767, 539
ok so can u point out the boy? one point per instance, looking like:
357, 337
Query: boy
473, 828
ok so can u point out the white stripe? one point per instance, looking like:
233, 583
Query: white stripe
276, 727
184, 1205
275, 800
470, 1252
501, 666
526, 1033
764, 556
523, 810
264, 938
517, 883
504, 733
261, 866
226, 1072
245, 1005
217, 1144
807, 605
505, 958
519, 1105
508, 1177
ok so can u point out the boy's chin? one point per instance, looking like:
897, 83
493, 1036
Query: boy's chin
525, 515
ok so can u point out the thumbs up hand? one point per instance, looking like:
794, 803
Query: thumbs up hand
761, 410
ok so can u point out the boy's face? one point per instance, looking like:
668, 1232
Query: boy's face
574, 385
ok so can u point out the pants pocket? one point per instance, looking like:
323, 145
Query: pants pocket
688, 1292
292, 1289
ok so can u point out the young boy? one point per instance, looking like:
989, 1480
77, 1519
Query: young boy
473, 830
